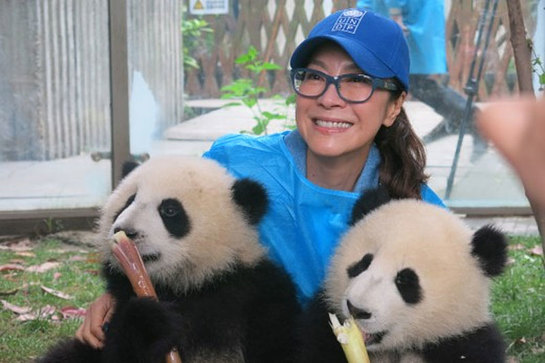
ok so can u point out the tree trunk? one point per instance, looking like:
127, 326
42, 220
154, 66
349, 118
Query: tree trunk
523, 65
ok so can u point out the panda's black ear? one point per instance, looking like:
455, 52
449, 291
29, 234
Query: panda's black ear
370, 199
128, 166
252, 197
489, 246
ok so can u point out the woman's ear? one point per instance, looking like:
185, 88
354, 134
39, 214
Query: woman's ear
393, 109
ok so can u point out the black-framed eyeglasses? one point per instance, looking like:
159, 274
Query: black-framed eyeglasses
353, 87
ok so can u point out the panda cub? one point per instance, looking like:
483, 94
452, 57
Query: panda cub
417, 282
220, 298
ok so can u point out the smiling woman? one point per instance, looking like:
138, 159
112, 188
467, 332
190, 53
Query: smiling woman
337, 126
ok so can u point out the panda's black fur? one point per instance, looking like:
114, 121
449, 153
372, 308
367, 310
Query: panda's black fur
386, 269
220, 298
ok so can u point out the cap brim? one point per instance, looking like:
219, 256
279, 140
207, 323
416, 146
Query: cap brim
363, 58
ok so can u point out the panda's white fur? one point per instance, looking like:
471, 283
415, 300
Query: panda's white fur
417, 281
220, 298
219, 237
433, 242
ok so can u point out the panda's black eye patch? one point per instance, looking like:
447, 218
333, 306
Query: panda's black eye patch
408, 284
174, 217
360, 266
127, 203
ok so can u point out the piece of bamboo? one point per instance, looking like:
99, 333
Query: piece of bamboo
127, 254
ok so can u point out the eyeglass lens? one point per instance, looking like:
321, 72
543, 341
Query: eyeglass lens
351, 87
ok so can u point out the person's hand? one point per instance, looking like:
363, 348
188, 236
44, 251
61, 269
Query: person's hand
99, 312
517, 129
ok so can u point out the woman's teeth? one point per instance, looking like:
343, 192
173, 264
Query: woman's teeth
332, 124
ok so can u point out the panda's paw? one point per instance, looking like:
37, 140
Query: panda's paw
145, 327
70, 350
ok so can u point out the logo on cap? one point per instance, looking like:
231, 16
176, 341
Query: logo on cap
348, 22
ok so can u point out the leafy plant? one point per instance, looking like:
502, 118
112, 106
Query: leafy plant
248, 92
538, 67
192, 30
51, 225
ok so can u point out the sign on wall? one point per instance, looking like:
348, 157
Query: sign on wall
205, 7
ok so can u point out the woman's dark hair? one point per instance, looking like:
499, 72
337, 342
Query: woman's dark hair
403, 157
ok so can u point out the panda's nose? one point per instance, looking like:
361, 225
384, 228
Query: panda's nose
131, 233
357, 313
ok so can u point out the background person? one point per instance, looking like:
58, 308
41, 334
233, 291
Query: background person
423, 22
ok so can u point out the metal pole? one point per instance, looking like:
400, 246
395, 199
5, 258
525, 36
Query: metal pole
119, 87
472, 87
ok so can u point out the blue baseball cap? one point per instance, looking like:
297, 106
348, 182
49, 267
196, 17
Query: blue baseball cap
376, 44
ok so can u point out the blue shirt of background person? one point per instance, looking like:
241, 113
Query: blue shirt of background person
425, 23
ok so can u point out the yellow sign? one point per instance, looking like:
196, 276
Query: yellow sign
198, 5
205, 7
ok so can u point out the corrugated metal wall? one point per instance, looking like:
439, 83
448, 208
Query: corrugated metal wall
72, 45
54, 72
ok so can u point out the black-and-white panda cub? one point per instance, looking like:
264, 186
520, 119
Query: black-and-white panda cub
220, 298
417, 282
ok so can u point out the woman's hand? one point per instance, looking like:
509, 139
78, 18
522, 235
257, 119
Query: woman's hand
98, 313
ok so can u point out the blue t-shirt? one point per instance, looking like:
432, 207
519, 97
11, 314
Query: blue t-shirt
425, 20
304, 221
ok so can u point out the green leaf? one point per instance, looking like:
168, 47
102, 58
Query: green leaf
250, 102
190, 62
259, 90
252, 52
542, 79
239, 88
258, 129
231, 104
271, 116
242, 59
256, 68
271, 66
248, 57
290, 100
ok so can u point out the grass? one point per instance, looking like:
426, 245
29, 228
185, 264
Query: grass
518, 298
76, 275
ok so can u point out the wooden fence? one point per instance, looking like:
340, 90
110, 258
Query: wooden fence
275, 28
54, 61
